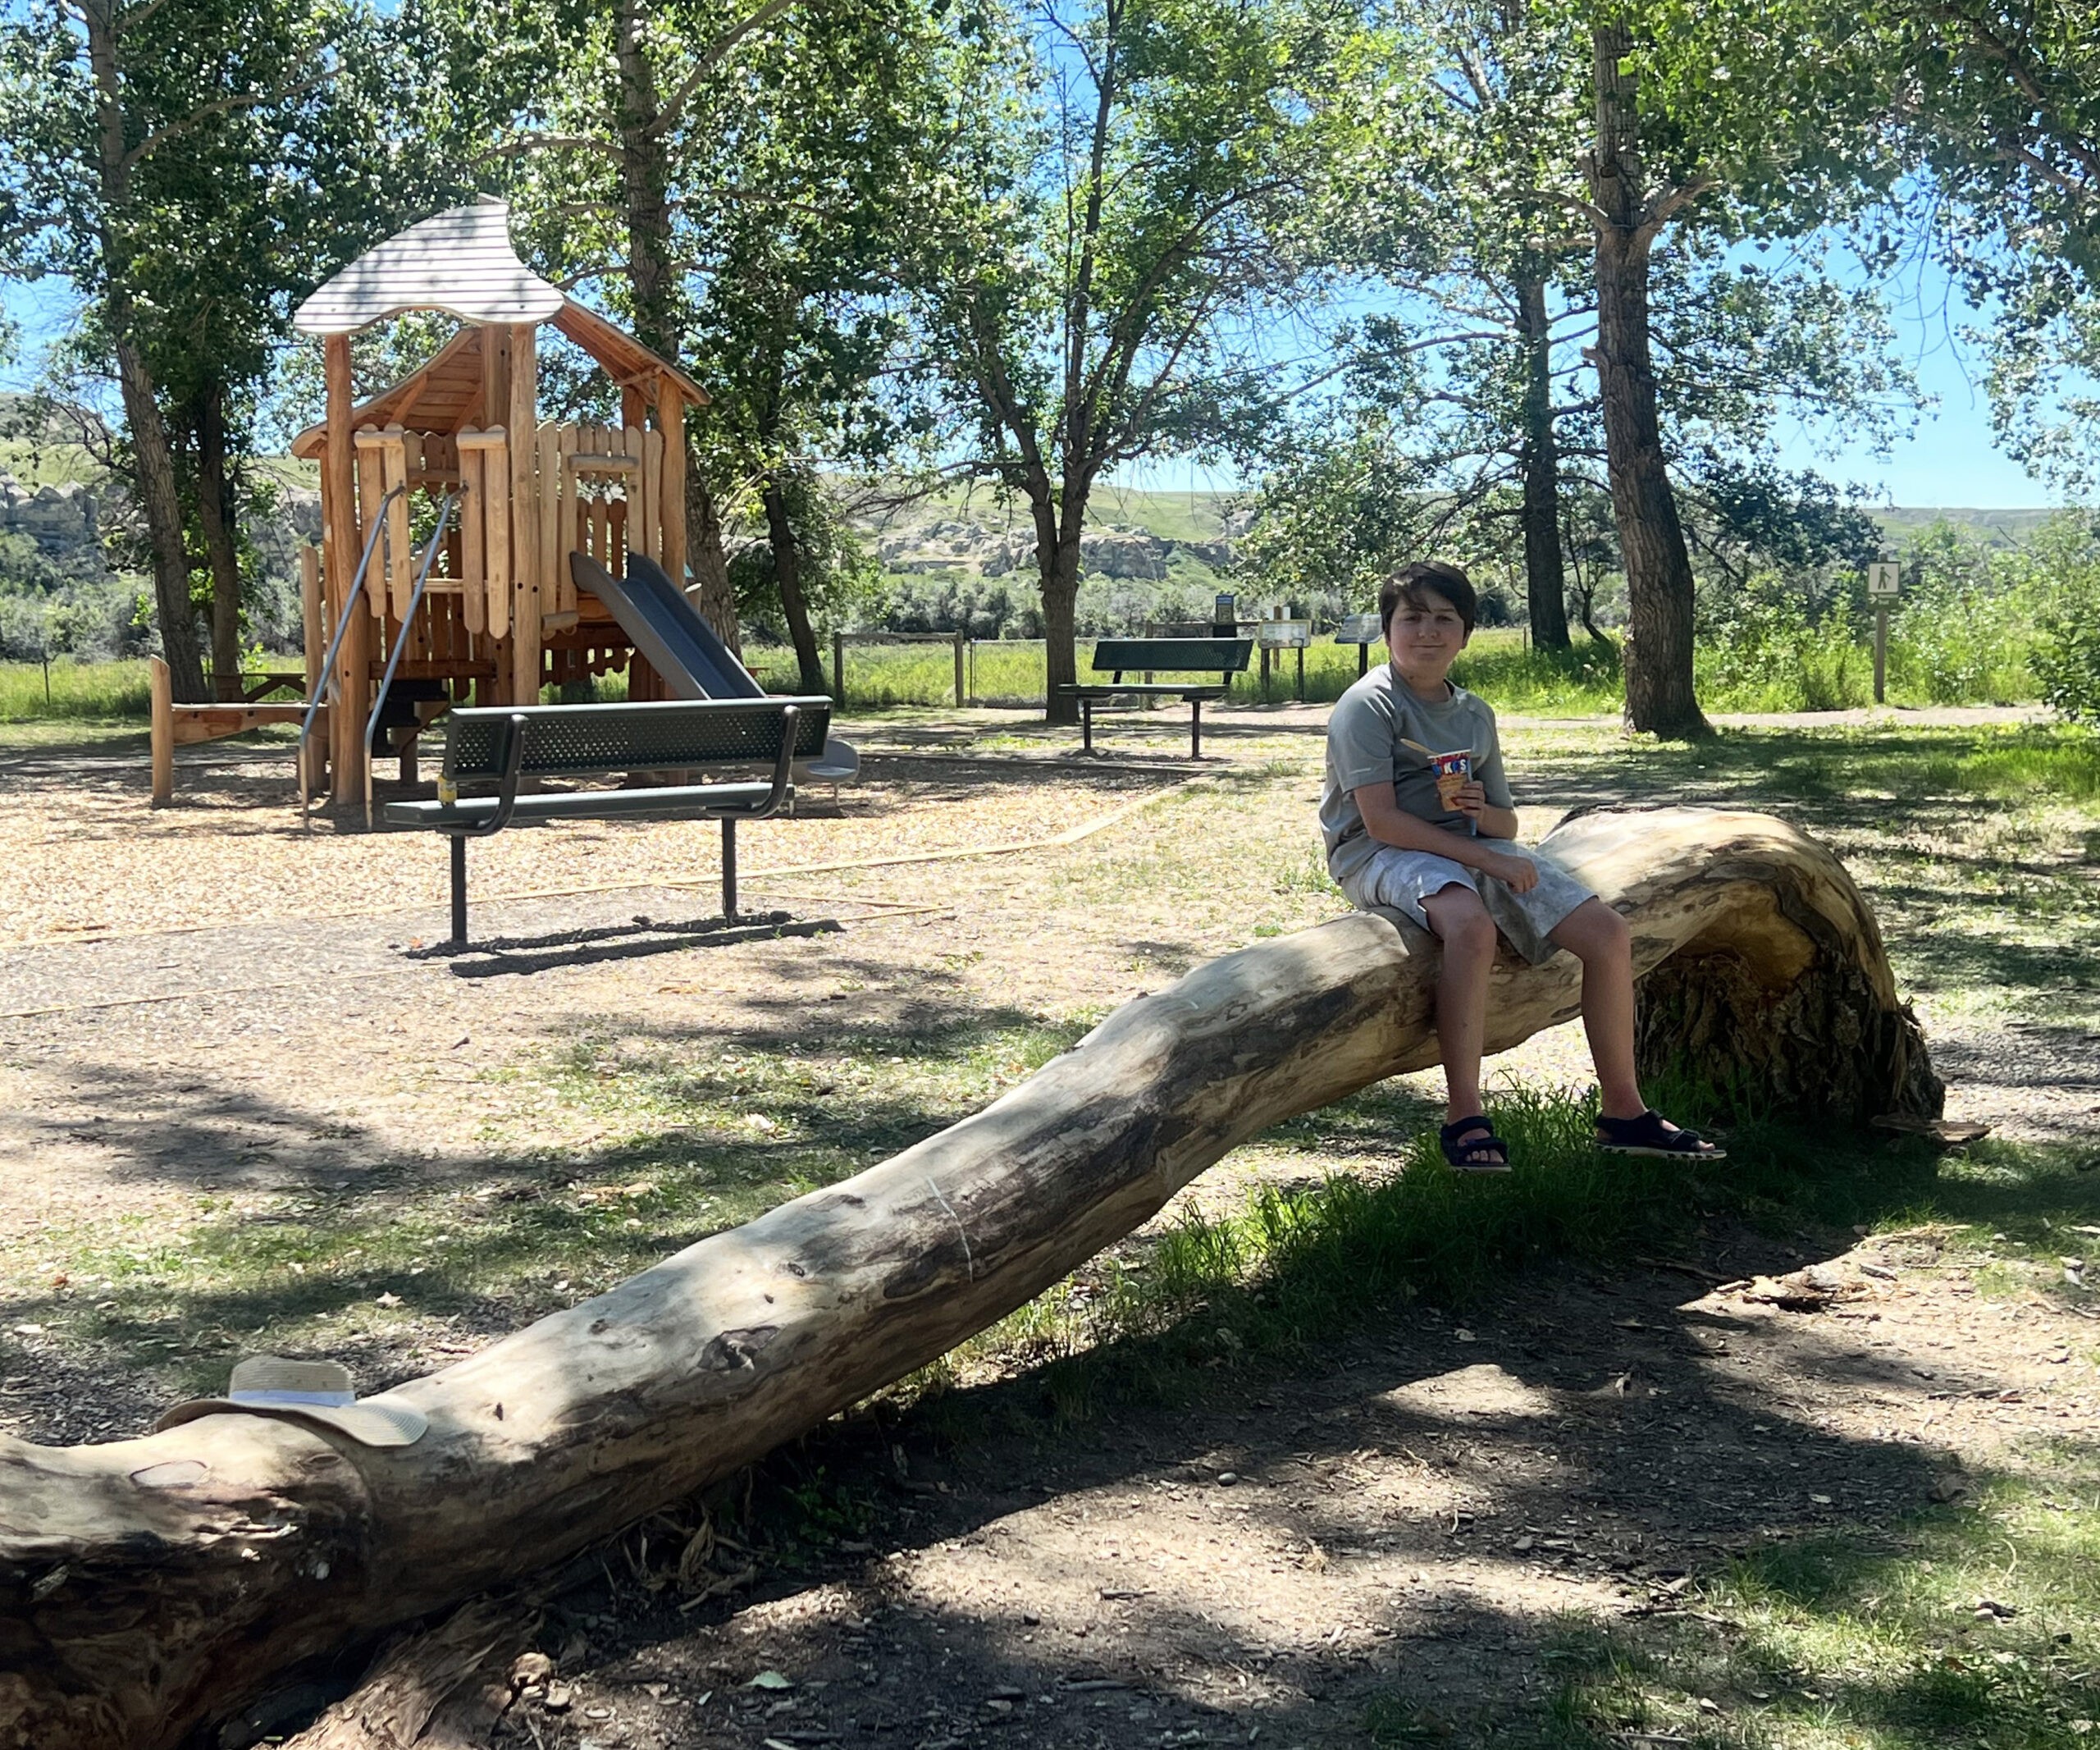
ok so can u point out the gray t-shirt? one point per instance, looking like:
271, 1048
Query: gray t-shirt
1364, 746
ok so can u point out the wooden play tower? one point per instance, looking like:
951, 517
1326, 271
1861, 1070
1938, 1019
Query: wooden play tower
448, 507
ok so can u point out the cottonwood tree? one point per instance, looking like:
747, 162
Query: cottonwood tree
263, 201
1764, 125
100, 102
2003, 103
618, 131
1462, 113
1430, 445
813, 248
1123, 225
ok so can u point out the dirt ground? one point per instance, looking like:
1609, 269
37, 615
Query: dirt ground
207, 1003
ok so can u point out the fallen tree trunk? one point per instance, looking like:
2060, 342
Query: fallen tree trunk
151, 1583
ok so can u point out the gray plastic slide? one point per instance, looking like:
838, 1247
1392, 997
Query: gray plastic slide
685, 650
680, 645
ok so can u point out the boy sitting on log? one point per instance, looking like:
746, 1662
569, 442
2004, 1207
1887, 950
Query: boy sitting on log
1418, 817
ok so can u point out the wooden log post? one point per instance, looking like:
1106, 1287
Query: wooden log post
161, 690
341, 532
314, 630
524, 423
147, 1585
671, 508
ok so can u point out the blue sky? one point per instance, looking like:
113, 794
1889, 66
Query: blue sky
1948, 461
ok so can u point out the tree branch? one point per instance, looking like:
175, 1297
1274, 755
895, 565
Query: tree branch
223, 105
522, 144
713, 57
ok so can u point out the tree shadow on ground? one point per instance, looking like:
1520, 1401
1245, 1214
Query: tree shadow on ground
476, 1244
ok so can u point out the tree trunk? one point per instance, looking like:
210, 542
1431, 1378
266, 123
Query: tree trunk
153, 476
788, 574
645, 184
153, 461
147, 1585
1544, 582
1057, 564
215, 516
709, 563
660, 313
1660, 694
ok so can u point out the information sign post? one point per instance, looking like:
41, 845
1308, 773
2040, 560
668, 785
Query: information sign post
1883, 585
1363, 630
1282, 634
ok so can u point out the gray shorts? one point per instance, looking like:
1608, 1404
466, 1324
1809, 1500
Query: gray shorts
1402, 879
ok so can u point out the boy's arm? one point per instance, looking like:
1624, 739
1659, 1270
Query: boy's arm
1487, 798
1387, 822
1492, 821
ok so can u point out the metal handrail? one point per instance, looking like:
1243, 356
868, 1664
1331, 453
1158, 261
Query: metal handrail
335, 644
401, 644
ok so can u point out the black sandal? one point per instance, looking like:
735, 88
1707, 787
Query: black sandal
1648, 1135
1461, 1155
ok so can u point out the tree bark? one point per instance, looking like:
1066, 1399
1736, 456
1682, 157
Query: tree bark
708, 560
1057, 566
215, 516
146, 1585
152, 458
1659, 693
1544, 582
787, 576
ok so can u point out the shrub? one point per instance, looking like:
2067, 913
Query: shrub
2063, 578
1771, 652
1963, 631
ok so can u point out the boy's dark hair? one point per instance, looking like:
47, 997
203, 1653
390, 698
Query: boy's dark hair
1425, 577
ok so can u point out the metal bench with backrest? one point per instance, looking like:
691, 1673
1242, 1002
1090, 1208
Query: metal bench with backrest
1223, 657
511, 746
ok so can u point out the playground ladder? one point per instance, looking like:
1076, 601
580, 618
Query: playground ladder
401, 642
328, 662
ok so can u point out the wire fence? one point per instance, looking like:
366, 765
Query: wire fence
870, 670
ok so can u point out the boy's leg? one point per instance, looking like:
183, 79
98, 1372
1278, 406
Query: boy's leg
1462, 925
1598, 937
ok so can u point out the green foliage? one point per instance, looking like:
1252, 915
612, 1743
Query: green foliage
840, 577
1771, 652
1119, 240
1963, 631
2063, 566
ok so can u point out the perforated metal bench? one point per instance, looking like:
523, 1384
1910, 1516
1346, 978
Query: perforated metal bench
1224, 657
508, 745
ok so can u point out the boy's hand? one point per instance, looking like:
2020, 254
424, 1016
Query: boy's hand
1470, 797
1520, 875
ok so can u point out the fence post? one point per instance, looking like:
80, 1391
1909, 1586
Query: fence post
958, 668
838, 670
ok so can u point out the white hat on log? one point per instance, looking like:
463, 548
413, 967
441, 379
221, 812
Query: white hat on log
307, 1391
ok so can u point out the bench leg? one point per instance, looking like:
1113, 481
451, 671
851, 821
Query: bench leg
1195, 729
458, 889
1086, 726
729, 869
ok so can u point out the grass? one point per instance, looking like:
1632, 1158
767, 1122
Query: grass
1009, 672
1971, 1626
1303, 1260
79, 691
1500, 664
685, 1149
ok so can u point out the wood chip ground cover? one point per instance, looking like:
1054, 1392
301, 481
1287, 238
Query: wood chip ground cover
1598, 1501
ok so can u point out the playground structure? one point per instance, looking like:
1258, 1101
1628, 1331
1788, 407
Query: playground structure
448, 507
